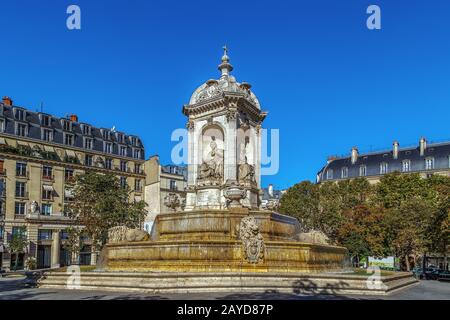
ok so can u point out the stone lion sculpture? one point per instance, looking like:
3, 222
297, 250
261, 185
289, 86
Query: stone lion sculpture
123, 233
314, 236
252, 240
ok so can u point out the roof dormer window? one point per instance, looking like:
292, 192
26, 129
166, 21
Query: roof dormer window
87, 130
66, 124
120, 137
46, 121
106, 134
19, 114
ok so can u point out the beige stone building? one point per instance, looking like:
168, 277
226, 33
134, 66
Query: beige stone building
40, 154
161, 182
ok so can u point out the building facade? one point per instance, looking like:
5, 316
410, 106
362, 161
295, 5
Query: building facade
163, 182
40, 155
425, 159
270, 198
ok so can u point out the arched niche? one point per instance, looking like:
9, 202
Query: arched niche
211, 152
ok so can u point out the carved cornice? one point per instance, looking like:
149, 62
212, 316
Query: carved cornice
223, 102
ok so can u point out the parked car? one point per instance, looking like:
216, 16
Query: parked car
444, 276
429, 274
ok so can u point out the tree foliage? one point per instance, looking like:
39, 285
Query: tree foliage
403, 215
100, 203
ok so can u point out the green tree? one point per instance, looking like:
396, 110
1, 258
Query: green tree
410, 205
18, 244
302, 202
100, 203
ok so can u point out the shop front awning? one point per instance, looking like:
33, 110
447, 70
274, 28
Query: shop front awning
48, 188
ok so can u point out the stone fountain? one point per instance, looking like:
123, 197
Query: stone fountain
222, 228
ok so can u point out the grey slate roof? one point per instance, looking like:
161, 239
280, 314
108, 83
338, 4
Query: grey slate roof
440, 152
33, 122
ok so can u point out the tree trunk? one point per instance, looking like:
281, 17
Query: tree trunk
408, 267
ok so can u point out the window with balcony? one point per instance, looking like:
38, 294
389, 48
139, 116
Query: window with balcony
21, 129
44, 234
137, 168
123, 182
68, 139
47, 173
123, 151
19, 208
137, 153
429, 163
20, 189
123, 166
137, 185
108, 147
47, 193
46, 209
19, 231
88, 160
406, 165
108, 163
21, 169
68, 175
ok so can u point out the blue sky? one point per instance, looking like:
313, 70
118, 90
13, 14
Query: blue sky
327, 81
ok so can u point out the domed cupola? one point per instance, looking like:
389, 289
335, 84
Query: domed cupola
225, 84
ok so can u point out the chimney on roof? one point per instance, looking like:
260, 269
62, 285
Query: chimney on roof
354, 156
7, 101
270, 190
395, 148
422, 146
73, 117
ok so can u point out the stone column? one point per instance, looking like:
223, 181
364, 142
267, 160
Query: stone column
231, 144
55, 249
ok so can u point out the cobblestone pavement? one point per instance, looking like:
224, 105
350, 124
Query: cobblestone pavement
14, 289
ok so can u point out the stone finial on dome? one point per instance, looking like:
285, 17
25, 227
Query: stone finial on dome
225, 67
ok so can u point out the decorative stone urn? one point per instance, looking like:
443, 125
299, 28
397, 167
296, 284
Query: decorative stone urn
172, 201
234, 194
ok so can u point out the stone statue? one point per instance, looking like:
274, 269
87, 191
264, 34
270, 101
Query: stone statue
172, 201
123, 233
252, 240
246, 172
212, 166
34, 207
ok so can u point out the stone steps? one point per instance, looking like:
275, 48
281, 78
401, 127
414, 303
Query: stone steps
153, 283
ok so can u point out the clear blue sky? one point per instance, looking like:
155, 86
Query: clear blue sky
327, 81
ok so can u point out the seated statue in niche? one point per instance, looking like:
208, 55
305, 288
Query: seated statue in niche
212, 166
246, 172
